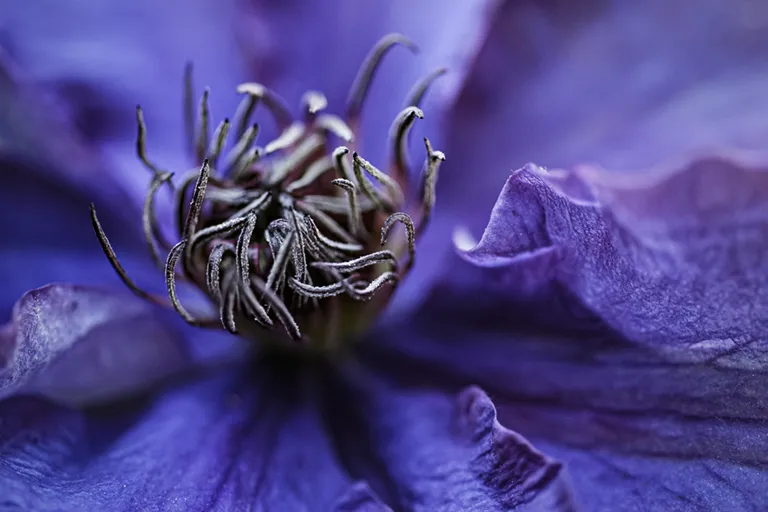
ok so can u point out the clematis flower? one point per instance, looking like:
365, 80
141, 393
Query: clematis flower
615, 317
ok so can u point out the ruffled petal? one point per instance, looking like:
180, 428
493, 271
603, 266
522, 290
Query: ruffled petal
243, 440
624, 85
422, 450
673, 259
79, 345
618, 319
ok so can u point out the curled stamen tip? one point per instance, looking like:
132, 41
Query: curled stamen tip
314, 101
397, 38
340, 151
412, 110
252, 88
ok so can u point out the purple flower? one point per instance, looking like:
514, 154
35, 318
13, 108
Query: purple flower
615, 318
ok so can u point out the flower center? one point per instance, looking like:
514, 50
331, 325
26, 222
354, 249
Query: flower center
290, 241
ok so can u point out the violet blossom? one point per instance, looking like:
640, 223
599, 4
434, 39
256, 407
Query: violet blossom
599, 348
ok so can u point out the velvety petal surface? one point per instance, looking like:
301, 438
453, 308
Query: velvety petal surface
426, 450
619, 322
78, 345
275, 436
240, 440
622, 84
48, 175
99, 62
321, 44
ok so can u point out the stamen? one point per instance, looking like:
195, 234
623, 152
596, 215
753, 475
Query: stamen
253, 307
376, 284
319, 292
342, 168
429, 182
281, 311
251, 157
106, 246
152, 232
210, 233
364, 77
338, 205
141, 143
420, 88
358, 263
327, 222
256, 205
267, 240
228, 302
335, 125
213, 269
295, 159
236, 154
287, 138
396, 196
203, 116
313, 172
196, 204
280, 251
300, 261
327, 242
410, 234
217, 143
354, 219
272, 101
189, 109
313, 102
243, 244
170, 282
399, 134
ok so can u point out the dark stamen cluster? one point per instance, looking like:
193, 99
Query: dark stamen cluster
274, 234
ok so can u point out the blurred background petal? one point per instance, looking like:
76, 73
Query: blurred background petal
625, 85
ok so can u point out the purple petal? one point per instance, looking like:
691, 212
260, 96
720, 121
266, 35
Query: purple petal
99, 62
40, 140
48, 236
244, 440
674, 259
421, 450
360, 498
340, 34
626, 85
619, 322
633, 431
79, 345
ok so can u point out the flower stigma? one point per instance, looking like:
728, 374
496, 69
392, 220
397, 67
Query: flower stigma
290, 241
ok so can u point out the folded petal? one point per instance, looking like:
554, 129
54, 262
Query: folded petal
674, 258
422, 450
625, 85
249, 439
78, 345
619, 322
632, 430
